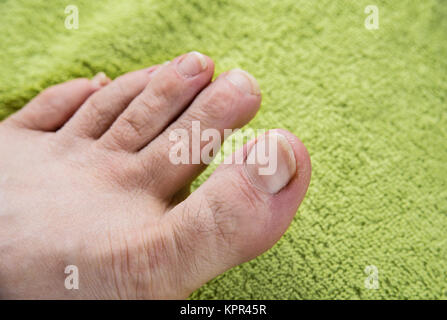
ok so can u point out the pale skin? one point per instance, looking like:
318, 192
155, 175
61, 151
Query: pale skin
85, 180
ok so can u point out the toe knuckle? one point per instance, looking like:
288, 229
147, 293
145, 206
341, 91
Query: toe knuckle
223, 218
152, 103
218, 106
97, 111
214, 216
131, 123
167, 87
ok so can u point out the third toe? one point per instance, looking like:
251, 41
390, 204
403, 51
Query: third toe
229, 103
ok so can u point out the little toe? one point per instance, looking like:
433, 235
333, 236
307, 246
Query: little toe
54, 106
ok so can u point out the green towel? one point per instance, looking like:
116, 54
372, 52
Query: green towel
370, 105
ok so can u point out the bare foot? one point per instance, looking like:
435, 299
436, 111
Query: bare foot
86, 180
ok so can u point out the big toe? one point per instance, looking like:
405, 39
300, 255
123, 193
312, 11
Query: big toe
242, 209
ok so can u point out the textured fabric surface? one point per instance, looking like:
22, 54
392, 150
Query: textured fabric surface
370, 105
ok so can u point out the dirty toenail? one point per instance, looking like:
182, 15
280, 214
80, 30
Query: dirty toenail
244, 81
271, 164
192, 64
100, 80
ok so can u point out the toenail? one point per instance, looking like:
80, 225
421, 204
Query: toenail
192, 64
271, 164
100, 80
244, 81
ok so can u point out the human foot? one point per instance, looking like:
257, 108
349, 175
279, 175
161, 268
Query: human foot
86, 180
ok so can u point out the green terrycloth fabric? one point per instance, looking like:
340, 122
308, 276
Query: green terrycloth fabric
370, 105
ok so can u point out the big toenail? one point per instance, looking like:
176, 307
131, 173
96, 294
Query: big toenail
100, 80
244, 81
271, 163
192, 64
